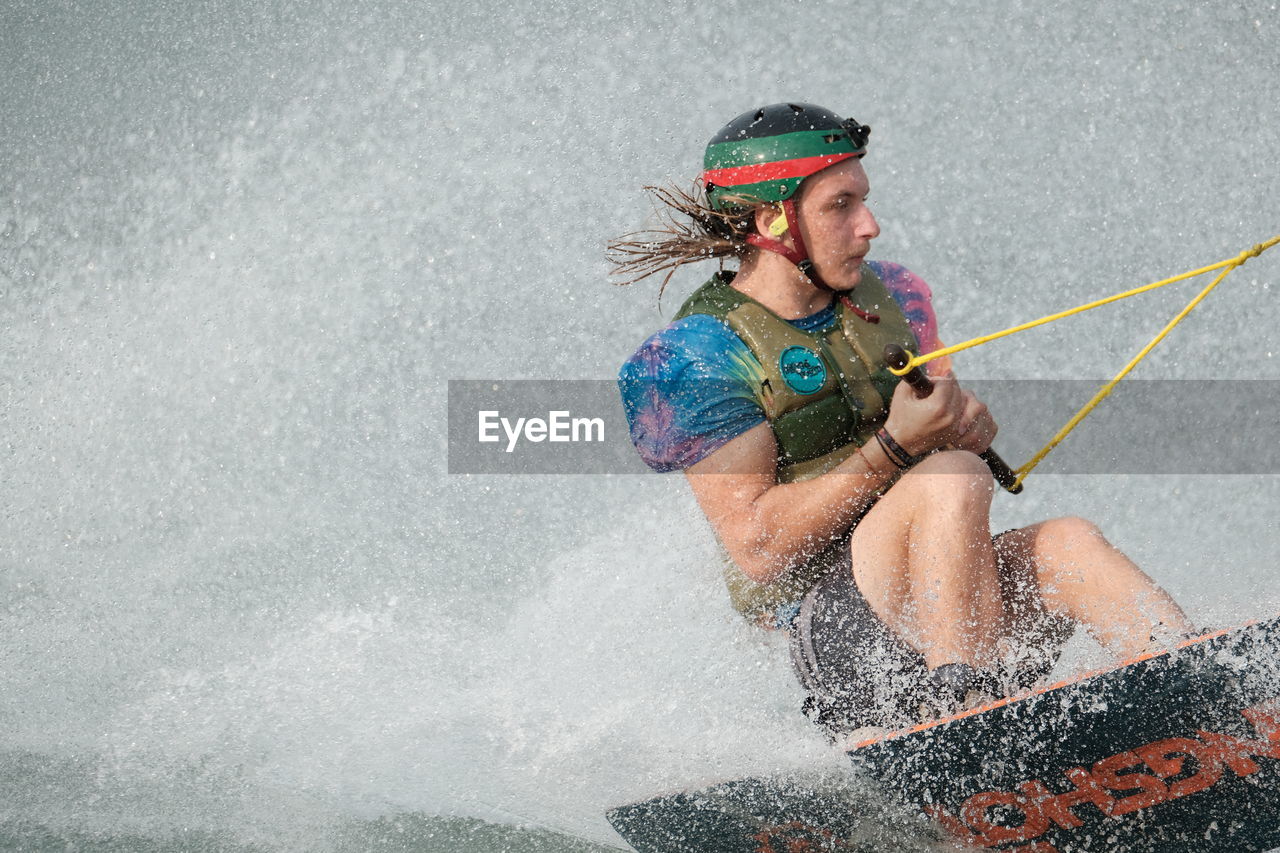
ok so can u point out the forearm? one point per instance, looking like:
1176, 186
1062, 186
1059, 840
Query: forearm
791, 522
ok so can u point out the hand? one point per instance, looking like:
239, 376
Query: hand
922, 424
977, 429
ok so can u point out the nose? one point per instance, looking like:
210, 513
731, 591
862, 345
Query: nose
867, 226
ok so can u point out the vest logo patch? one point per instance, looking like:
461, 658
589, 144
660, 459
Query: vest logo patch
802, 369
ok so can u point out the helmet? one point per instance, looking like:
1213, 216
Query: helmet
764, 154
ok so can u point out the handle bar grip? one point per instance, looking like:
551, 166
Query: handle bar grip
897, 358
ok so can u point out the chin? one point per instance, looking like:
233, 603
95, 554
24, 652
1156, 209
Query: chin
848, 281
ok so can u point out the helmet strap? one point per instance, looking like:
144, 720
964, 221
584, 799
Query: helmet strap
799, 255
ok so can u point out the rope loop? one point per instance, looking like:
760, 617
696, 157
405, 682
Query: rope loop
1257, 249
1226, 266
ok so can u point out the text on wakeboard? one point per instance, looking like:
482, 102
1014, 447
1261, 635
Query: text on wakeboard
1120, 784
1157, 772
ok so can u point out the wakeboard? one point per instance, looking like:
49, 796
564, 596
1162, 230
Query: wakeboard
1172, 753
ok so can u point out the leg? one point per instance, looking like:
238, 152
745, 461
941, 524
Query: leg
1064, 567
924, 561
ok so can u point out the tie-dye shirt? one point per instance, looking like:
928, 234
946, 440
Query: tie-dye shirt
692, 387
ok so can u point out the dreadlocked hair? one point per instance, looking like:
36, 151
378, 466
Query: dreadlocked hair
688, 231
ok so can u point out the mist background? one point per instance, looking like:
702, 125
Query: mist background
243, 247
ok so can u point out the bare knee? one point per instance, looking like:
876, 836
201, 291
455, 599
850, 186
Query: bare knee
1070, 533
952, 462
954, 475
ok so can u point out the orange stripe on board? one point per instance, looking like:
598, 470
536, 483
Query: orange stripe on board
998, 703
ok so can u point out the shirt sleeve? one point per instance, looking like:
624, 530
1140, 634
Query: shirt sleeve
916, 301
689, 390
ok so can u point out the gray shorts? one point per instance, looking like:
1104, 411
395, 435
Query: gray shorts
856, 671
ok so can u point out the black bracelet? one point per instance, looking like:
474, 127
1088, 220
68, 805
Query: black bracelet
899, 453
889, 453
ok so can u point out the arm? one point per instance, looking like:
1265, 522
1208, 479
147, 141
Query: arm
770, 527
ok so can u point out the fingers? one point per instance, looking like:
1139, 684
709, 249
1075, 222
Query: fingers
977, 428
953, 399
974, 410
950, 416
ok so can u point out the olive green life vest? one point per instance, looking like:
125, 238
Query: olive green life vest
824, 393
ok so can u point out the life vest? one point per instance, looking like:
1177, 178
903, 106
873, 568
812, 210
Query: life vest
824, 394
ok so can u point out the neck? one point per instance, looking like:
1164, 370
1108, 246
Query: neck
778, 285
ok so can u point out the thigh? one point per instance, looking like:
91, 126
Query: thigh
951, 488
879, 552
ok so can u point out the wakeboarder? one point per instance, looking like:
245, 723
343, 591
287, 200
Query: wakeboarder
854, 514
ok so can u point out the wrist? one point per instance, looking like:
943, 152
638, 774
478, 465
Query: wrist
908, 437
899, 455
877, 459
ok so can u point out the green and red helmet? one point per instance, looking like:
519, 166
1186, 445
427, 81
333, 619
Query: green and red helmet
764, 154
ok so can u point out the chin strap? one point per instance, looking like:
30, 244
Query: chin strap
789, 221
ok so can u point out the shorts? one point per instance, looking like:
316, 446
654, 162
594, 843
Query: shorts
856, 670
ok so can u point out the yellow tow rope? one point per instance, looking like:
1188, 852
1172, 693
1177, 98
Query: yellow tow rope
1226, 266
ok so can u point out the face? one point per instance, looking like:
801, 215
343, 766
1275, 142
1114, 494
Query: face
837, 224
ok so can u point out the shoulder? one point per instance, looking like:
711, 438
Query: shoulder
905, 285
687, 390
698, 342
914, 298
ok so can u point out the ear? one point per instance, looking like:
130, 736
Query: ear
768, 217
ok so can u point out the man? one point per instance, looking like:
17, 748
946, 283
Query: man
854, 513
